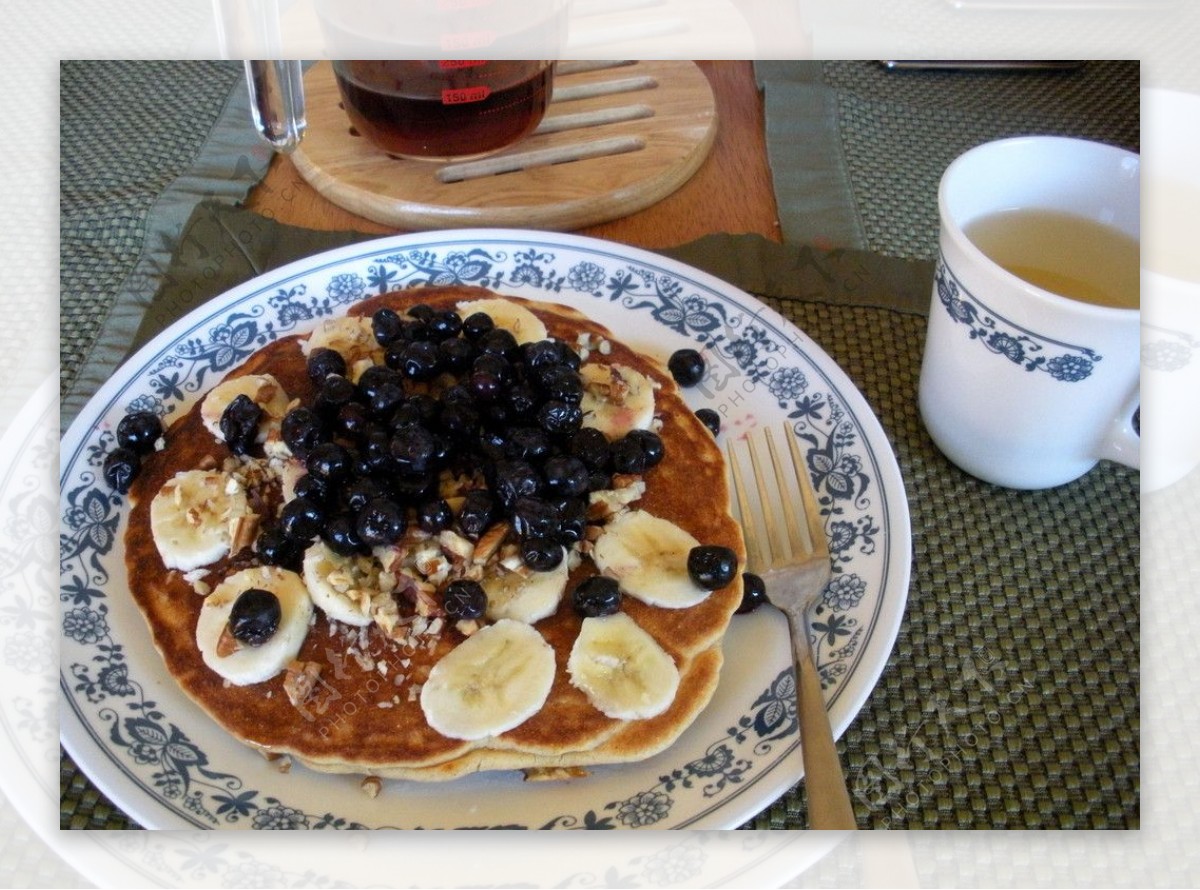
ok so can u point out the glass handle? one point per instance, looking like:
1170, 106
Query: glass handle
277, 101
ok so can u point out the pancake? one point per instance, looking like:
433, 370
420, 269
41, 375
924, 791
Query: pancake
363, 712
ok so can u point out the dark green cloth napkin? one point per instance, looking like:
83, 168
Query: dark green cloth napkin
222, 246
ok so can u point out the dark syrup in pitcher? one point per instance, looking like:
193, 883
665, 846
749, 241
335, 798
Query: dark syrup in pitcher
444, 110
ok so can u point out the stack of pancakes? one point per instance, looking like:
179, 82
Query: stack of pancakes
365, 715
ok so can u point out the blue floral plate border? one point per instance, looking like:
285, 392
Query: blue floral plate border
166, 764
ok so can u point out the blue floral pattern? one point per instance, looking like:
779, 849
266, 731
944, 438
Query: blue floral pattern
1019, 346
746, 352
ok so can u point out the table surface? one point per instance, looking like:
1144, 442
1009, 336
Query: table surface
999, 611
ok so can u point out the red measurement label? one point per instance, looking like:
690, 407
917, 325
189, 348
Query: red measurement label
455, 64
465, 94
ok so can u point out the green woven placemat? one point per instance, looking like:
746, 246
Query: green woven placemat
1011, 697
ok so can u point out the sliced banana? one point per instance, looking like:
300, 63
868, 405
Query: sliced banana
648, 556
353, 337
495, 680
518, 320
616, 399
254, 664
341, 586
526, 598
621, 668
263, 389
194, 516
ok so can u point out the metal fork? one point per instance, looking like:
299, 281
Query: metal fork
792, 558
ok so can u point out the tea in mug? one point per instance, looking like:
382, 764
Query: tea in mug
1068, 255
444, 109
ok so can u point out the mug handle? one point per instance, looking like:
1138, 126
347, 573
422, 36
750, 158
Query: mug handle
1123, 443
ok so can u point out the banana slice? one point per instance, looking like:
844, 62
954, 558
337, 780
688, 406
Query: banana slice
353, 337
341, 586
495, 680
254, 664
648, 556
528, 599
621, 668
522, 323
263, 389
616, 399
194, 517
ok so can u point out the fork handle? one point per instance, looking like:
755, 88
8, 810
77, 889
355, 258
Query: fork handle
828, 800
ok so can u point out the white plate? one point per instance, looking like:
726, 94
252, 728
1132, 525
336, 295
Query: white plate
156, 755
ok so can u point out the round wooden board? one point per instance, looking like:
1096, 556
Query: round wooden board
643, 129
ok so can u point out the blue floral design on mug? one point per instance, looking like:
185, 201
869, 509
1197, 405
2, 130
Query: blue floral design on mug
1018, 345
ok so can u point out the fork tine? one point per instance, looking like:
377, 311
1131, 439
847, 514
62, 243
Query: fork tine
756, 557
816, 532
786, 503
779, 548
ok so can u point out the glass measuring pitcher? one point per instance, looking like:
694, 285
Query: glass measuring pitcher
418, 108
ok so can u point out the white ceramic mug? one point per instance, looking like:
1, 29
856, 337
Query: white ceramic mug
1170, 286
1019, 386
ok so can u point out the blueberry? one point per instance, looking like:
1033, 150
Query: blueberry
456, 354
385, 398
255, 616
434, 516
592, 447
334, 392
121, 467
490, 374
239, 423
711, 566
302, 519
302, 431
566, 476
572, 520
322, 362
542, 353
628, 456
353, 420
312, 488
444, 325
139, 431
514, 479
422, 312
686, 366
536, 518
651, 444
476, 514
710, 419
464, 600
329, 462
528, 443
476, 325
541, 554
499, 341
374, 377
419, 360
380, 522
276, 548
560, 383
596, 597
342, 536
754, 593
413, 449
387, 326
560, 418
361, 491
